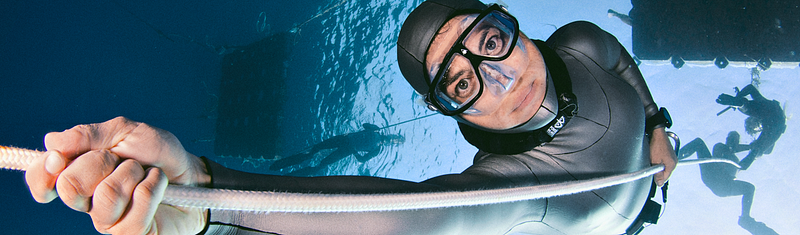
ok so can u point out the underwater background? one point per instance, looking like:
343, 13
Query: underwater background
330, 67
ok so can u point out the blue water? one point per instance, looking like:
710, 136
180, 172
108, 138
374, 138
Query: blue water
72, 63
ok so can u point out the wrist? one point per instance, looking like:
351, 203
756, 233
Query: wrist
660, 120
201, 176
195, 172
658, 133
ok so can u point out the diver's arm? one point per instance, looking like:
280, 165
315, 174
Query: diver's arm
222, 177
629, 71
488, 219
752, 91
740, 148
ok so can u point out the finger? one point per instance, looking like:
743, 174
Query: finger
114, 193
77, 183
669, 167
41, 175
661, 178
84, 138
146, 197
163, 152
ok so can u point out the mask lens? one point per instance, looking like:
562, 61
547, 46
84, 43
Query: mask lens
492, 36
489, 41
458, 84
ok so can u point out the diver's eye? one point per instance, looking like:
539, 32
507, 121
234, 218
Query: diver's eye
462, 85
491, 45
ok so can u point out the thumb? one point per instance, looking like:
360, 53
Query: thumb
660, 178
83, 138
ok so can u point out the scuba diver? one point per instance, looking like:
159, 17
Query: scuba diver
574, 107
720, 178
765, 116
368, 140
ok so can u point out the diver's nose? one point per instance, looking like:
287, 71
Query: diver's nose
497, 76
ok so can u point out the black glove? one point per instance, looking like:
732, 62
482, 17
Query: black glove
725, 99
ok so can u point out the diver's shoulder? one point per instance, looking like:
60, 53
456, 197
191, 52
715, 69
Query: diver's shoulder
589, 39
576, 30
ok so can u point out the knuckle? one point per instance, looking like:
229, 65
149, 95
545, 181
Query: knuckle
113, 197
121, 121
117, 121
88, 130
108, 161
69, 189
70, 186
149, 185
144, 191
108, 194
77, 184
132, 171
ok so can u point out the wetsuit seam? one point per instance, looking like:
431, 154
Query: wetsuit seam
610, 206
593, 191
563, 48
594, 76
607, 127
593, 121
573, 176
588, 146
525, 164
533, 221
605, 93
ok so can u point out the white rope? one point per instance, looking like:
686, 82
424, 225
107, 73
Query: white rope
267, 201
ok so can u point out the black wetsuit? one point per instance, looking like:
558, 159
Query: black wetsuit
605, 138
773, 122
720, 178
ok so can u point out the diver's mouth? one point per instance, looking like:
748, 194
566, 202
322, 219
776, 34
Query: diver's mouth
525, 100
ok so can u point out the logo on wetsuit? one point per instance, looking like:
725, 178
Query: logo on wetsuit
556, 126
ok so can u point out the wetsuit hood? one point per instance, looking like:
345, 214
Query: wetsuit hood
418, 32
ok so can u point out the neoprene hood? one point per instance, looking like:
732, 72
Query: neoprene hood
418, 32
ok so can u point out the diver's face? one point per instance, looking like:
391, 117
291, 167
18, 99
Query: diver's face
512, 105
